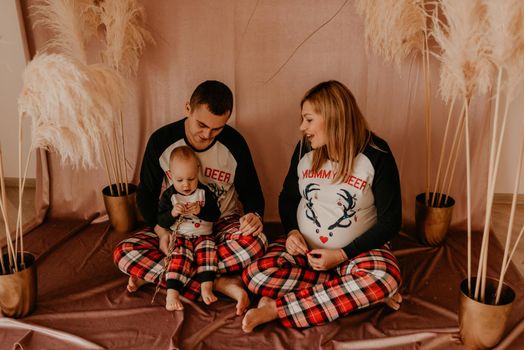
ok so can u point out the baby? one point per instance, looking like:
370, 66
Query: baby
187, 208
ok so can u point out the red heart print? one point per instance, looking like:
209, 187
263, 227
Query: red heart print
323, 239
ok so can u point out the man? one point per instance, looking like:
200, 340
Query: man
227, 169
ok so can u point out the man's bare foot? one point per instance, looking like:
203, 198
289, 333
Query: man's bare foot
265, 312
206, 288
233, 287
134, 283
173, 300
394, 301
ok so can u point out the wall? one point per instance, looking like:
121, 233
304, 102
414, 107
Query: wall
248, 63
511, 146
12, 62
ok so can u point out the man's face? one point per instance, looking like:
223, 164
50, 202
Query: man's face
202, 126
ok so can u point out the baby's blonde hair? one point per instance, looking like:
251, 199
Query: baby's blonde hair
183, 153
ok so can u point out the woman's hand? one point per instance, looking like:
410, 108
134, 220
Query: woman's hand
325, 259
250, 224
295, 243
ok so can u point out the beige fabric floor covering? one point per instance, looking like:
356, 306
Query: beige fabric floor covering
83, 304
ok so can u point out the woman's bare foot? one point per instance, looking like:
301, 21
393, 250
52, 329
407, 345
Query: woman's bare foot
233, 287
394, 301
265, 312
134, 283
206, 288
173, 300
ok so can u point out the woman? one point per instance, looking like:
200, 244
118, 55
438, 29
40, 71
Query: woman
340, 205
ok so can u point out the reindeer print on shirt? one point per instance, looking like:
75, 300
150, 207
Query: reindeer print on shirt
331, 215
346, 202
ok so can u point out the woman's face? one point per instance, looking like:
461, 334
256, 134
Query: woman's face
313, 126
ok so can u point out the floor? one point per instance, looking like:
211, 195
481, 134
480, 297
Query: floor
501, 212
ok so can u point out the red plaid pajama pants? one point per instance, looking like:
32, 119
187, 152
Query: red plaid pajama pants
141, 257
188, 252
306, 297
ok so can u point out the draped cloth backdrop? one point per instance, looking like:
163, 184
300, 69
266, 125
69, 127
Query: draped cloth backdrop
269, 53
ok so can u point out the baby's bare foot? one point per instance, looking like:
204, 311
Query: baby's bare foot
173, 302
265, 312
233, 287
134, 283
207, 292
394, 301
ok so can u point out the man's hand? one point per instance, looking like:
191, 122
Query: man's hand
295, 243
250, 224
325, 259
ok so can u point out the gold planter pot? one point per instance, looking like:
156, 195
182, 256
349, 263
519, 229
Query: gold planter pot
121, 209
482, 325
432, 223
18, 290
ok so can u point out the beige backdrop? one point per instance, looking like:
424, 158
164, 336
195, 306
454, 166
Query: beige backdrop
270, 53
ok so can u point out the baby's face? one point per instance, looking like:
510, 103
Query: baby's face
184, 174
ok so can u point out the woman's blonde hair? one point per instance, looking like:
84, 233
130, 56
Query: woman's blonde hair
346, 129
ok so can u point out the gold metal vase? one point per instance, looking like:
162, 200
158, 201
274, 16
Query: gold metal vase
121, 209
432, 222
482, 324
18, 290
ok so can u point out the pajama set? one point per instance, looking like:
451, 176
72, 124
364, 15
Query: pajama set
360, 214
227, 169
194, 240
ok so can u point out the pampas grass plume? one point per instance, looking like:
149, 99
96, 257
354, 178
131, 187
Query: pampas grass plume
71, 105
466, 67
506, 39
125, 34
394, 28
71, 23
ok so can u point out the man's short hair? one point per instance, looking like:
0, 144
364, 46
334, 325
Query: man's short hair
216, 95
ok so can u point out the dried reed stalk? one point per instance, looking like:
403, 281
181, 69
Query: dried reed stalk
70, 105
441, 158
75, 21
515, 246
511, 220
427, 111
468, 199
125, 38
506, 38
3, 202
464, 68
396, 29
454, 156
106, 167
11, 253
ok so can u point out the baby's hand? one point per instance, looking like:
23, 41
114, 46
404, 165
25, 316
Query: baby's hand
193, 208
178, 209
